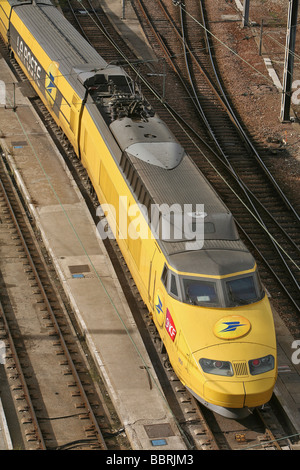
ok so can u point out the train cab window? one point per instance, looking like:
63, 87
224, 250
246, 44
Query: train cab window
229, 292
173, 285
200, 292
244, 290
169, 280
164, 276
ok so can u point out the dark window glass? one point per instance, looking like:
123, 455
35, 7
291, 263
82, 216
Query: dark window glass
164, 276
241, 291
173, 287
198, 292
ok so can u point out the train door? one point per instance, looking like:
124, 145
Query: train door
184, 356
155, 293
75, 121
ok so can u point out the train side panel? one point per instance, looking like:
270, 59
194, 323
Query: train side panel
5, 10
57, 94
65, 106
129, 226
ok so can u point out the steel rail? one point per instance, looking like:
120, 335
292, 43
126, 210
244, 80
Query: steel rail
22, 379
37, 428
78, 22
175, 113
235, 119
272, 440
223, 100
54, 320
188, 52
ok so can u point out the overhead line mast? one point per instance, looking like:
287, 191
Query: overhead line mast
289, 61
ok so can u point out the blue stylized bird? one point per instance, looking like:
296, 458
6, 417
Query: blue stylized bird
232, 325
159, 306
51, 85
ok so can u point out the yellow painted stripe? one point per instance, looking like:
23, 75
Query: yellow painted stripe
210, 275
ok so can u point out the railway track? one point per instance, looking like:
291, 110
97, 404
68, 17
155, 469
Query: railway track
57, 403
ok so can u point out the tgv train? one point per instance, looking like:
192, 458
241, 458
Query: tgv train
179, 240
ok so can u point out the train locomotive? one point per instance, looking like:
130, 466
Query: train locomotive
179, 240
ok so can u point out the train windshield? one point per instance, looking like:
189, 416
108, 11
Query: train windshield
228, 292
243, 290
200, 292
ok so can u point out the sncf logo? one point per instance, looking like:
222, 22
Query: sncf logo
170, 326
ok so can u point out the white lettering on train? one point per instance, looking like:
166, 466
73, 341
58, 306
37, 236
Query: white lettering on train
29, 60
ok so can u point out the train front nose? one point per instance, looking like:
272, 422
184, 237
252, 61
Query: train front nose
238, 394
237, 384
224, 393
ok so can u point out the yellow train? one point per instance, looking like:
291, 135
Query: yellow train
179, 240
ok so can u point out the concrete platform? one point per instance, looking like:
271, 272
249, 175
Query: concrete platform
86, 274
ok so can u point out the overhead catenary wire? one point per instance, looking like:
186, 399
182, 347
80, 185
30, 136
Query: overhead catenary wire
162, 101
133, 63
266, 443
279, 21
236, 54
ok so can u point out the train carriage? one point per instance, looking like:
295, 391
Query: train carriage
179, 240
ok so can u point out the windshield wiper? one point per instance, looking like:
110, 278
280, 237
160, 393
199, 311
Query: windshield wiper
236, 299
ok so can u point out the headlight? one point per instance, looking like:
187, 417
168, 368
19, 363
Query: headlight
216, 367
261, 365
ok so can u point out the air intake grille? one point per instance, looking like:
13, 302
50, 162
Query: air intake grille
240, 368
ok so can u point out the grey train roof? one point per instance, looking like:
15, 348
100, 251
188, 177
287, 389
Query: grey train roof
143, 146
59, 39
221, 252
